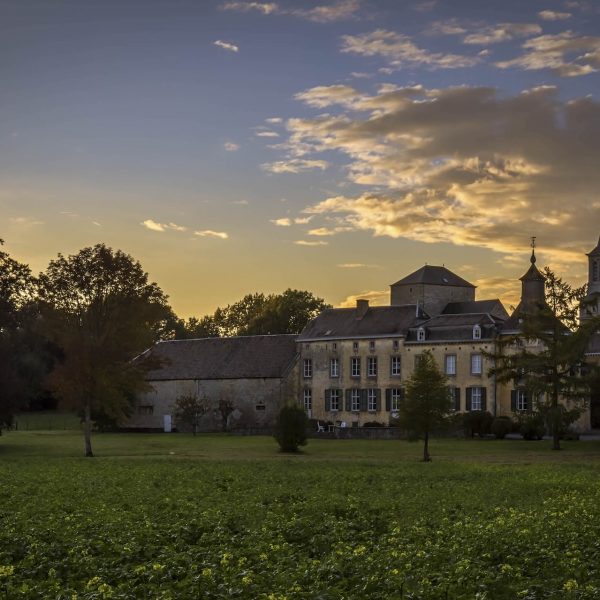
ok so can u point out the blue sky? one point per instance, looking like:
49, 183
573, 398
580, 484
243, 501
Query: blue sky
238, 146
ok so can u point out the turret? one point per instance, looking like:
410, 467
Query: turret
590, 305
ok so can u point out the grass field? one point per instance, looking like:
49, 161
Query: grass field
217, 516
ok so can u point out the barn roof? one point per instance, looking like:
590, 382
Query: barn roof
244, 357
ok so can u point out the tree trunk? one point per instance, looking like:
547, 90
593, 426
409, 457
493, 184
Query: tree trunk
555, 415
426, 456
87, 428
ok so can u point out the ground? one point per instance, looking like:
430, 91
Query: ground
218, 516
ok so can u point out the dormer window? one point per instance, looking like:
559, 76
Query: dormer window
420, 334
476, 332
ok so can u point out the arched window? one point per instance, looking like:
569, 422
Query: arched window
420, 334
476, 332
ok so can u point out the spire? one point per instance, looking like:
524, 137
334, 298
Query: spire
532, 259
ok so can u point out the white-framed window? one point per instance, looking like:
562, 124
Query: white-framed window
372, 346
476, 332
395, 399
371, 400
355, 346
334, 399
354, 400
355, 366
450, 364
476, 395
521, 400
420, 334
334, 367
372, 366
307, 367
476, 364
307, 397
395, 364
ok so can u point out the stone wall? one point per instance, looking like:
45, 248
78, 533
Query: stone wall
432, 298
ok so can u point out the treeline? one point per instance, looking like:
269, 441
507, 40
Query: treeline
71, 333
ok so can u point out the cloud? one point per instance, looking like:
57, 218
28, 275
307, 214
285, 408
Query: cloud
425, 5
323, 231
240, 202
25, 221
462, 165
551, 15
506, 288
326, 13
210, 233
231, 146
401, 51
328, 95
302, 220
357, 266
310, 243
227, 46
154, 226
566, 53
502, 32
294, 165
267, 134
283, 222
375, 298
274, 120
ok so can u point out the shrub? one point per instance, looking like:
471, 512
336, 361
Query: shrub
290, 431
477, 422
531, 426
373, 424
501, 426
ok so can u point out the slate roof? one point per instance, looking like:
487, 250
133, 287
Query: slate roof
249, 357
596, 250
456, 327
336, 323
492, 307
432, 275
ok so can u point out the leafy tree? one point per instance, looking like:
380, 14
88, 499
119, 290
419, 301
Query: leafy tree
290, 430
99, 308
195, 328
427, 402
547, 356
190, 409
225, 408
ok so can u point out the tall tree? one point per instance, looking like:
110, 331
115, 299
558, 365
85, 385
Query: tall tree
100, 309
547, 356
427, 402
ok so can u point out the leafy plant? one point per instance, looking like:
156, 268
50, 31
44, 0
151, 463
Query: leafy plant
501, 427
290, 431
189, 409
477, 423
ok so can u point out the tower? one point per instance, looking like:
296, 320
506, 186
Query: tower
590, 305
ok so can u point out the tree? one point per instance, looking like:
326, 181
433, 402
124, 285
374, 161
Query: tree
225, 408
290, 430
547, 356
99, 308
190, 409
427, 402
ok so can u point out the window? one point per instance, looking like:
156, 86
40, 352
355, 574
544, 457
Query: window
418, 358
372, 366
396, 345
455, 395
371, 400
395, 366
334, 346
519, 400
145, 410
420, 334
260, 406
355, 366
334, 367
476, 398
334, 399
307, 367
355, 346
450, 364
476, 332
372, 346
395, 398
307, 399
355, 400
476, 363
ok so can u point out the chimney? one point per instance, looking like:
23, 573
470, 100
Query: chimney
362, 306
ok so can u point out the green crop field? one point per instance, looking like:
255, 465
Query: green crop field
173, 516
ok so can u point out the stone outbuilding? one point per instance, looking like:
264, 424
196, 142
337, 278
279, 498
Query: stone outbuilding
256, 374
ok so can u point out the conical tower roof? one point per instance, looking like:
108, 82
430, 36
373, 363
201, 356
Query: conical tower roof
596, 250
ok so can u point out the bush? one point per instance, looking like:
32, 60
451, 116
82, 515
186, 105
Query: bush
290, 431
373, 424
501, 426
477, 422
531, 426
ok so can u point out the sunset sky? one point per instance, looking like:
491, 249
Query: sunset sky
334, 146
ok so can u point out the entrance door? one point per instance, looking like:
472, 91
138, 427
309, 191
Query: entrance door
167, 423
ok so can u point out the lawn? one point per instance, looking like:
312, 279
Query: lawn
217, 516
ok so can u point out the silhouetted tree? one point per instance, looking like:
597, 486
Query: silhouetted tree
190, 409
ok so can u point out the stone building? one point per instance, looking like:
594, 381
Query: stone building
255, 373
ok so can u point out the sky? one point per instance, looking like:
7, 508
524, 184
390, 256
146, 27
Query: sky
334, 146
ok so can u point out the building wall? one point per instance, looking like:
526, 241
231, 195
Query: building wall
256, 401
432, 298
